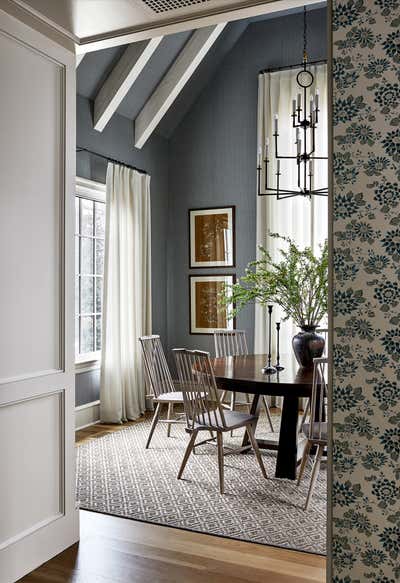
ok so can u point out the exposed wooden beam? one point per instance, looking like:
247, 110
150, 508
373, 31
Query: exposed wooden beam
121, 79
229, 12
79, 59
174, 80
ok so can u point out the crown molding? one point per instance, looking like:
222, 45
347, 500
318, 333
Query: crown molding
44, 20
208, 17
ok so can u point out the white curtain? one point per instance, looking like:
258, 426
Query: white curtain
302, 219
127, 293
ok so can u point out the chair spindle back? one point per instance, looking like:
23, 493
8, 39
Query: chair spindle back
230, 343
319, 400
325, 333
156, 366
200, 394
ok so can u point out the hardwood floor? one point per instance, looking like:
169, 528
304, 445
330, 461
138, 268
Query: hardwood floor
117, 550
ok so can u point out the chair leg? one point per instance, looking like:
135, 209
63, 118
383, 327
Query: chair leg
220, 445
268, 412
223, 396
169, 416
233, 404
314, 475
188, 451
256, 449
248, 403
304, 418
304, 460
154, 422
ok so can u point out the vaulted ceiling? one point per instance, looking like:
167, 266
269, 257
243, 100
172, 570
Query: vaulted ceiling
150, 89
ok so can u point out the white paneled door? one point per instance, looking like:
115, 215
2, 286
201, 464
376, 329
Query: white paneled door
38, 515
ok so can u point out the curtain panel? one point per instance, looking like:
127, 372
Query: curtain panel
302, 219
127, 293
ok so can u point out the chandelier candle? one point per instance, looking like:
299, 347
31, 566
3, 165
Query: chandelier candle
269, 369
305, 122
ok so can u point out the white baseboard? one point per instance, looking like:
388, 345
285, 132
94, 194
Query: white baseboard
87, 415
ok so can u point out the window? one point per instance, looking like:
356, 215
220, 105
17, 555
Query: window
89, 264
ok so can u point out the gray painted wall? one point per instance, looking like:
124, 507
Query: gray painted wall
116, 141
212, 156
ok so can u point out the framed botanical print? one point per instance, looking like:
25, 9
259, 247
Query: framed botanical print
212, 237
206, 313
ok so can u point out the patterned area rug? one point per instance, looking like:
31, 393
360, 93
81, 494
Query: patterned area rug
116, 475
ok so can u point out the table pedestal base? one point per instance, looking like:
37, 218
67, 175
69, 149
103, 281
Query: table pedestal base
289, 447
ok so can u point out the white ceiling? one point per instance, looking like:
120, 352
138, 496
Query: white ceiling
95, 20
90, 18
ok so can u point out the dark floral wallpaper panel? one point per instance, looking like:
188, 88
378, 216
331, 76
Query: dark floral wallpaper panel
366, 391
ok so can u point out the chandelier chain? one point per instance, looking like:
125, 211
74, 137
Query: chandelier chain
305, 34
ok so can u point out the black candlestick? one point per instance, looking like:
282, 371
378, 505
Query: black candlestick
269, 369
278, 356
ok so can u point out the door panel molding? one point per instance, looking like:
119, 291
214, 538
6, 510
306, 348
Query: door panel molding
37, 407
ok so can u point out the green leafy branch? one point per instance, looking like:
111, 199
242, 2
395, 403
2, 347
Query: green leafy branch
298, 283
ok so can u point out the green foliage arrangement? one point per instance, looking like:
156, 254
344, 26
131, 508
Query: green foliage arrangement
298, 283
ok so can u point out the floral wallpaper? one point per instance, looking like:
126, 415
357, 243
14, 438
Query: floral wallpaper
366, 391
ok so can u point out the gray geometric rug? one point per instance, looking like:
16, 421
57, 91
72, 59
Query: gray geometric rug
116, 475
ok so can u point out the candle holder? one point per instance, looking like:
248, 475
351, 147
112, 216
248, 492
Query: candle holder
269, 369
278, 356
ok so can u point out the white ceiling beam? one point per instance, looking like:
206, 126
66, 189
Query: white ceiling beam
121, 79
230, 12
79, 59
174, 80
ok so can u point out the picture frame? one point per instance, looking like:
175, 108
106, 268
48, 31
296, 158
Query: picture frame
212, 237
205, 314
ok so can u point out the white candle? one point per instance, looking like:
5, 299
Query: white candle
317, 99
266, 148
276, 123
311, 104
259, 156
297, 134
294, 105
311, 168
278, 166
299, 101
299, 146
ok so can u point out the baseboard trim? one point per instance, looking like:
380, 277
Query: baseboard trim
87, 415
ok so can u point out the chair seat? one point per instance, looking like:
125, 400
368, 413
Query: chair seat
320, 436
172, 397
233, 420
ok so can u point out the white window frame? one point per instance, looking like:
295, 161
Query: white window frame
95, 191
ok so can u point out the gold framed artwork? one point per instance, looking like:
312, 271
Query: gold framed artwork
212, 237
206, 314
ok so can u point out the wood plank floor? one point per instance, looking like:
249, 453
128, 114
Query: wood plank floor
118, 550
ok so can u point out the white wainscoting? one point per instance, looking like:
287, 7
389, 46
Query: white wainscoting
31, 457
86, 415
38, 512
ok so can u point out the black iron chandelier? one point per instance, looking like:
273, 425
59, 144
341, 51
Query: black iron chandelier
305, 122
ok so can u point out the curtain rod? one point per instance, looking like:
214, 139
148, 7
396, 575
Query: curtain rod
79, 149
287, 67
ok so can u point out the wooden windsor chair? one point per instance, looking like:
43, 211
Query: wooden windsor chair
316, 430
234, 343
164, 391
204, 410
324, 332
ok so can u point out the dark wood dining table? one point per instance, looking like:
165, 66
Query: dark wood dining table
244, 374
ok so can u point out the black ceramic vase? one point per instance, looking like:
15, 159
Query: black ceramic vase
307, 345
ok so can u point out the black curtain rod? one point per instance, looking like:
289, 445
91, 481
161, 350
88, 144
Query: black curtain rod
287, 67
79, 149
